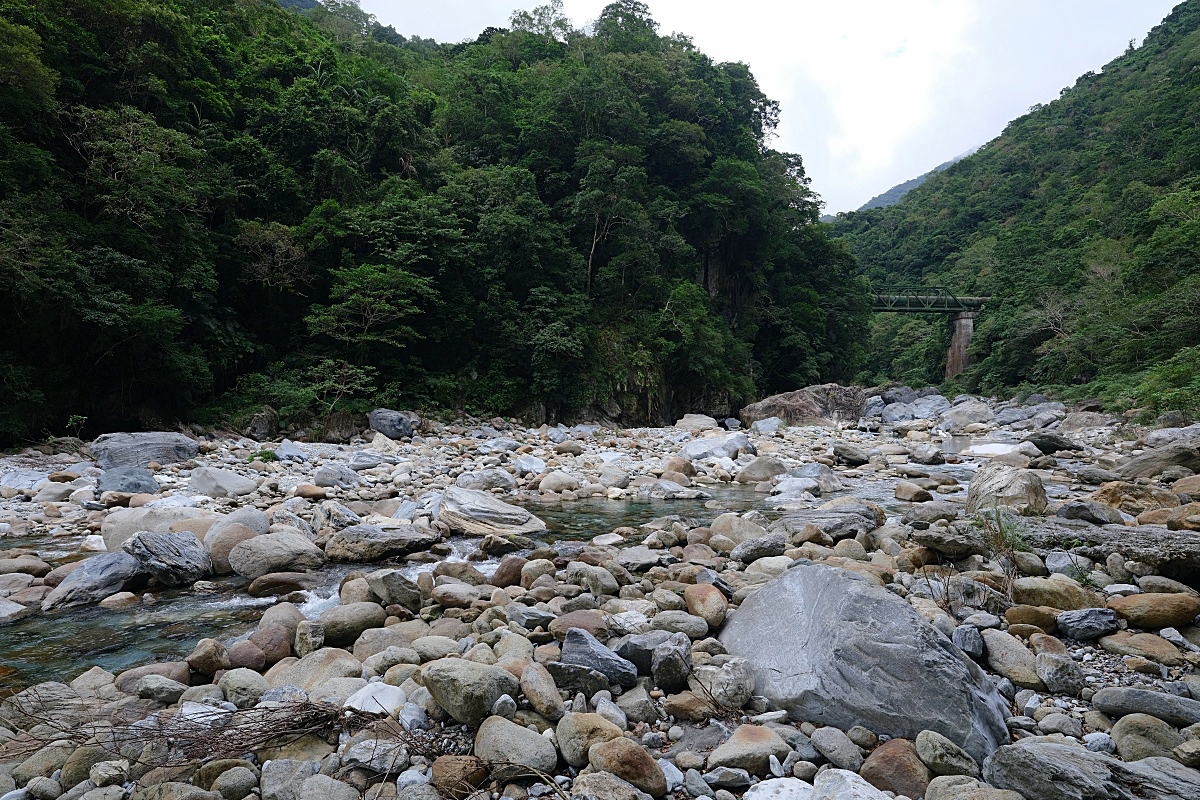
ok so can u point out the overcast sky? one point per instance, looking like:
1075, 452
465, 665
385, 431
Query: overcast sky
873, 92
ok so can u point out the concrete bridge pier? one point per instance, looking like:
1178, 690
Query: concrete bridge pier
960, 340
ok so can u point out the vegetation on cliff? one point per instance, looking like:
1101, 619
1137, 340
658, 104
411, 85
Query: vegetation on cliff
206, 205
1082, 222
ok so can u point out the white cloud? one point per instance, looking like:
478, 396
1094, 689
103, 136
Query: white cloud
873, 92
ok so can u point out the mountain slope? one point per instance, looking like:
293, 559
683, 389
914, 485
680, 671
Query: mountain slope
896, 193
1081, 221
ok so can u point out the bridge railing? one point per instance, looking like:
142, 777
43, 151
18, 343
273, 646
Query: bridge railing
917, 299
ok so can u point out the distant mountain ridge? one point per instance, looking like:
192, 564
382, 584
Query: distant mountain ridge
894, 194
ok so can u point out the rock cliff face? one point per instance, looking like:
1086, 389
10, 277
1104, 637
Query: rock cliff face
831, 647
812, 405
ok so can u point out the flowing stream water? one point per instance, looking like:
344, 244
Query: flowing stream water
60, 646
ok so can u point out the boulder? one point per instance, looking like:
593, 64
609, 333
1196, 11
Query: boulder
576, 733
1052, 771
97, 578
220, 543
500, 741
1119, 701
917, 679
487, 479
1180, 453
1157, 609
275, 552
343, 624
583, 649
132, 480
393, 424
995, 484
215, 482
895, 767
468, 690
122, 523
1172, 553
761, 469
476, 513
373, 543
315, 669
139, 449
716, 447
749, 748
813, 405
630, 762
173, 559
964, 414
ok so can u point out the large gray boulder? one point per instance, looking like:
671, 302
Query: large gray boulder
99, 577
717, 447
996, 484
477, 513
467, 690
139, 449
832, 648
215, 482
275, 552
174, 559
128, 479
964, 414
372, 543
122, 523
1051, 771
812, 405
393, 424
1182, 453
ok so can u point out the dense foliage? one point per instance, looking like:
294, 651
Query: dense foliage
1082, 222
207, 205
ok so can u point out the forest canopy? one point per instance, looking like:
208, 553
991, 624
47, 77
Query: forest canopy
211, 205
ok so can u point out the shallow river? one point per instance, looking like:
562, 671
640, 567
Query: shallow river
61, 646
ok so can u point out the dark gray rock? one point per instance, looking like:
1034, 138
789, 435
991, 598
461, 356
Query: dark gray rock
850, 454
923, 514
968, 639
773, 544
393, 424
138, 449
372, 543
577, 678
1090, 511
1087, 623
1094, 476
1050, 442
1183, 453
99, 577
1051, 771
1117, 701
582, 649
173, 559
639, 648
128, 479
672, 663
853, 653
529, 617
336, 475
826, 480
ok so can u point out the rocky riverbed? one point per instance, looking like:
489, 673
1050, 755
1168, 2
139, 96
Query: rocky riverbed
932, 597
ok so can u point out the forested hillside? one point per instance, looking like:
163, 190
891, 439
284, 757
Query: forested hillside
1082, 222
207, 205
